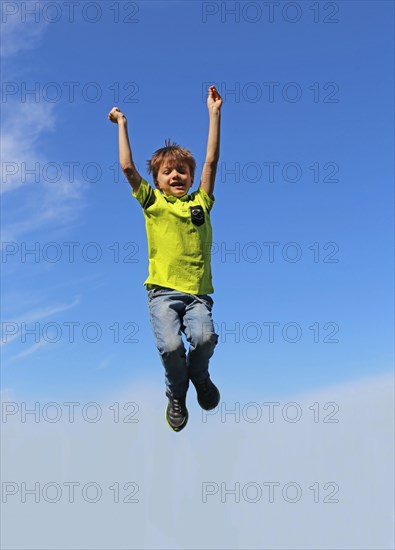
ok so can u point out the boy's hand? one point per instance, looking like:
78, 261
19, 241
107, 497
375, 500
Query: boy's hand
214, 100
115, 115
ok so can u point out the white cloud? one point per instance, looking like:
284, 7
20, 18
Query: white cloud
29, 205
104, 363
20, 32
20, 140
35, 315
28, 351
32, 205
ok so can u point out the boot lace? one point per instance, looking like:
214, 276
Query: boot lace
177, 405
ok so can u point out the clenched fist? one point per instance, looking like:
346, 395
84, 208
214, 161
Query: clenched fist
115, 115
214, 100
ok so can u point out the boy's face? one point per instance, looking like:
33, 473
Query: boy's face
174, 178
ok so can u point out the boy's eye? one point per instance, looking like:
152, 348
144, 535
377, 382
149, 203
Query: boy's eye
179, 169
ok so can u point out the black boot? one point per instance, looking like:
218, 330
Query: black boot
176, 413
208, 395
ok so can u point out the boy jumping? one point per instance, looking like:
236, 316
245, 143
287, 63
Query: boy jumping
179, 239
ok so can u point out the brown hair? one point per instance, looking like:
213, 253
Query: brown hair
173, 153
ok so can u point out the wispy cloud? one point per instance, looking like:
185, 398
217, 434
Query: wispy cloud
28, 351
104, 363
30, 205
35, 315
20, 33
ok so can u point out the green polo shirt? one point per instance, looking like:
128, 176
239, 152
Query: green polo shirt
179, 239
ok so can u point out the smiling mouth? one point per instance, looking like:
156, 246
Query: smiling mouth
177, 185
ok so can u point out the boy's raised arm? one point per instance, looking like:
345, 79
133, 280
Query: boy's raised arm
125, 153
214, 103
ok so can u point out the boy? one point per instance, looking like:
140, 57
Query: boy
179, 246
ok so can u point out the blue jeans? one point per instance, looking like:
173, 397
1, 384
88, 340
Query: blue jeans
171, 313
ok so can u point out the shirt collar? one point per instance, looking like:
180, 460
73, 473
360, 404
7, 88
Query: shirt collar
170, 198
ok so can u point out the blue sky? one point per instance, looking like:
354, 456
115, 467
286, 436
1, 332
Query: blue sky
302, 223
311, 164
